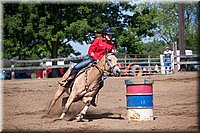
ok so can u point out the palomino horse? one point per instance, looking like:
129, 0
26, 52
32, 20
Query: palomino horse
85, 85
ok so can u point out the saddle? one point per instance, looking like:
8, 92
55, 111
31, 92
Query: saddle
79, 72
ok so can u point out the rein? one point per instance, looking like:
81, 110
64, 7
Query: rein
101, 71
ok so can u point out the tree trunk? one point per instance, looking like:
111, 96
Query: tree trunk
54, 55
181, 35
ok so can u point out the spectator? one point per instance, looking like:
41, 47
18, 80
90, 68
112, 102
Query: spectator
167, 60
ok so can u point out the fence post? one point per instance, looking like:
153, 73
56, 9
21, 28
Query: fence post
44, 69
12, 70
175, 57
54, 70
125, 60
149, 64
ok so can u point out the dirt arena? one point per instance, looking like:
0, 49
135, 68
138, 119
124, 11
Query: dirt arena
175, 103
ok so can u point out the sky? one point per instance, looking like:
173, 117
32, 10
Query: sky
81, 48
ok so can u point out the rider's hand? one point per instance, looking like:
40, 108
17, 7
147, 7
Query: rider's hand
94, 63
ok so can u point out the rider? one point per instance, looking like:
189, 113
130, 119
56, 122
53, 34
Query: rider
97, 35
96, 51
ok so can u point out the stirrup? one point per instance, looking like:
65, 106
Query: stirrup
65, 81
70, 78
61, 82
64, 84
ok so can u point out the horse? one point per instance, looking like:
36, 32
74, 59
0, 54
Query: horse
85, 85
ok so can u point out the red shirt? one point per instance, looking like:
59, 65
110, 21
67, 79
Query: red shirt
98, 48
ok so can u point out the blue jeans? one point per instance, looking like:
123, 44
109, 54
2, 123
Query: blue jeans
81, 65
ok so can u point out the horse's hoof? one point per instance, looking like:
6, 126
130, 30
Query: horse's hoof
79, 118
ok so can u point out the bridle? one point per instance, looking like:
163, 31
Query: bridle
103, 69
107, 62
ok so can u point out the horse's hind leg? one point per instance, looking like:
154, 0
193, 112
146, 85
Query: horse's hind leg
83, 112
58, 93
87, 101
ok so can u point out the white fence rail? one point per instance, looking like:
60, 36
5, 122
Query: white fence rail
130, 64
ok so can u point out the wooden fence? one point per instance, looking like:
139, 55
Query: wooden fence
29, 64
130, 64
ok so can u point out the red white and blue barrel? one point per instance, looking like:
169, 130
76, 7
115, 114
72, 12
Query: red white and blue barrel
139, 100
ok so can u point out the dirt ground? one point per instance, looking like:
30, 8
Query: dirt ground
175, 102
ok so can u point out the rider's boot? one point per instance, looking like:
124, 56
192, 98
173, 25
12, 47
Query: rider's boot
65, 81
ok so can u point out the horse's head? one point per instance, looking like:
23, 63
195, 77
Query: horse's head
111, 64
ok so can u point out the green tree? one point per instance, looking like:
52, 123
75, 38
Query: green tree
47, 29
32, 30
17, 31
138, 23
191, 27
167, 23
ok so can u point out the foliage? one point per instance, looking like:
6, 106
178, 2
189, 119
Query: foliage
46, 30
137, 24
168, 27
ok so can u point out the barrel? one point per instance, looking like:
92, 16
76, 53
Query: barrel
139, 100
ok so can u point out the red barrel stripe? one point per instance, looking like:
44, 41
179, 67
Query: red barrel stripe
139, 89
